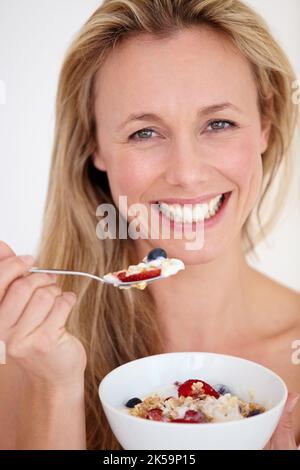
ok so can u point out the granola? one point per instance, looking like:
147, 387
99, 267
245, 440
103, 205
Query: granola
194, 401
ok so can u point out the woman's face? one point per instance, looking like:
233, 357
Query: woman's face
178, 123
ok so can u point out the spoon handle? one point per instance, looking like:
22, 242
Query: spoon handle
63, 271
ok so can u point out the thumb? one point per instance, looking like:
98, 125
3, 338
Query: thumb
284, 435
5, 251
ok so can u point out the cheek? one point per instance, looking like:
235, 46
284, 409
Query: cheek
130, 177
242, 164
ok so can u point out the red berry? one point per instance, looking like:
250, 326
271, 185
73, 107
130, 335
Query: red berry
148, 274
155, 414
195, 416
185, 389
192, 416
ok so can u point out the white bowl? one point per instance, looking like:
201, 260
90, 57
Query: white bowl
142, 377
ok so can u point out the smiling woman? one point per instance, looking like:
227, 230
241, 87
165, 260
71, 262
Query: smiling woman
178, 103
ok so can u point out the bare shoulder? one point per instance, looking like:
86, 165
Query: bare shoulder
279, 328
280, 304
10, 394
288, 305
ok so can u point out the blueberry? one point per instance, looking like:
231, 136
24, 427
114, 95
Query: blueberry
222, 389
132, 402
156, 253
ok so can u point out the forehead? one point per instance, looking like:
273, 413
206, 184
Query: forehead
194, 64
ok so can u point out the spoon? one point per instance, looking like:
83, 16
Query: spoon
116, 283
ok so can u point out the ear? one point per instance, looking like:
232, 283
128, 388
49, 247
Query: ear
266, 125
264, 136
98, 160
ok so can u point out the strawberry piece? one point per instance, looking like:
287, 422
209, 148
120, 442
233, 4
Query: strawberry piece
148, 274
185, 389
191, 416
155, 414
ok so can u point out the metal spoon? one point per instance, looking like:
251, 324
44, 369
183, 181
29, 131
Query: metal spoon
116, 283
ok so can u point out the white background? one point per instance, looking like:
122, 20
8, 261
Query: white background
34, 35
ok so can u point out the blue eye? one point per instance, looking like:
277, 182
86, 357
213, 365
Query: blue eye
220, 125
216, 126
142, 134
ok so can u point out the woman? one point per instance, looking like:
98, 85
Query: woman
210, 90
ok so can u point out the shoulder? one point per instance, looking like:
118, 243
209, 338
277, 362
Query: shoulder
279, 332
279, 328
279, 304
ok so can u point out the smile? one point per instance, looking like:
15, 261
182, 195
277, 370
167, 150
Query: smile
192, 213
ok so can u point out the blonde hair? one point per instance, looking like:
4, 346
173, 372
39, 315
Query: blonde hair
119, 326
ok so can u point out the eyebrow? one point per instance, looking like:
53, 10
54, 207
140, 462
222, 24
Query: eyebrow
204, 111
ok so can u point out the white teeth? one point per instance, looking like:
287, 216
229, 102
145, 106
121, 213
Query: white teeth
163, 206
199, 212
205, 211
178, 213
191, 213
211, 205
188, 214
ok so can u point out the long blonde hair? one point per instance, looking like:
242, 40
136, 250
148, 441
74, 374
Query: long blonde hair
119, 326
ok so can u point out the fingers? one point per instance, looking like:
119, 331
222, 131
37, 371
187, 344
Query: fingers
59, 314
43, 321
11, 268
37, 310
33, 314
284, 435
49, 333
286, 420
292, 400
18, 295
5, 251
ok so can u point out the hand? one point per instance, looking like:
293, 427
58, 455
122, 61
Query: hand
33, 313
284, 435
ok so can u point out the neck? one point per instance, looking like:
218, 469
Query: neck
211, 303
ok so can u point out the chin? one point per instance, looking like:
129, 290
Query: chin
177, 249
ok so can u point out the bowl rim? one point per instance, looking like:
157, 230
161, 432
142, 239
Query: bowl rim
241, 422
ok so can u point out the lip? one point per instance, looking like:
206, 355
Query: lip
207, 222
197, 200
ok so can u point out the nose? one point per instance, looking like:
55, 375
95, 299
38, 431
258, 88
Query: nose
187, 165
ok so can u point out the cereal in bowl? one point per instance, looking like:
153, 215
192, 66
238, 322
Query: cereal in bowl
193, 401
